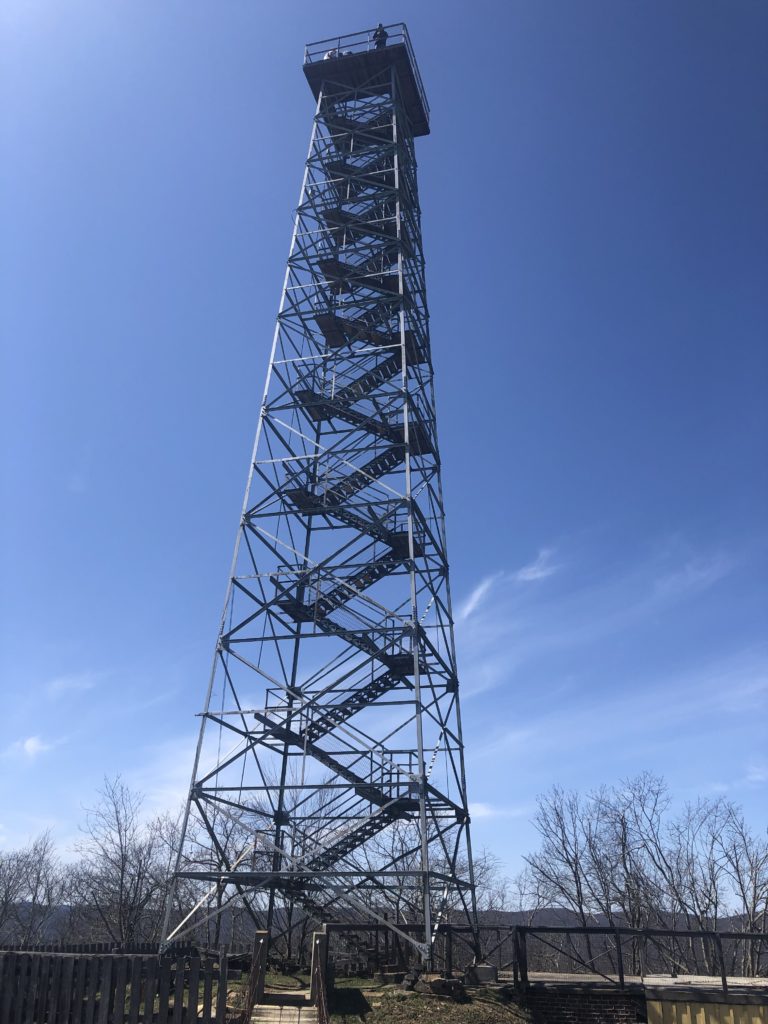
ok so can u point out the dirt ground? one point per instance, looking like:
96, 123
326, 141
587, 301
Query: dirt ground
391, 1005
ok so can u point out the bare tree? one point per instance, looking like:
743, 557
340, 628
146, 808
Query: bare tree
11, 891
44, 890
119, 881
32, 892
560, 869
745, 862
492, 887
621, 855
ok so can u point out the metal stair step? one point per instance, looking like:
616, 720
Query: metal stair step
360, 225
380, 464
364, 789
313, 504
344, 710
339, 331
359, 836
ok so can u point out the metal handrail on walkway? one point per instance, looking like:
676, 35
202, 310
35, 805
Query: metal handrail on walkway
361, 42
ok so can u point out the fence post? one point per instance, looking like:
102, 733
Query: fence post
22, 986
150, 985
619, 958
319, 963
193, 992
178, 989
164, 989
260, 947
67, 979
721, 958
254, 992
55, 991
521, 956
7, 985
121, 982
135, 983
91, 989
221, 995
207, 989
34, 971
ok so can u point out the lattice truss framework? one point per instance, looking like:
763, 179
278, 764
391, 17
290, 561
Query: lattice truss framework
329, 773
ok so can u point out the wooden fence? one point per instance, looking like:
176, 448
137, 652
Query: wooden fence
149, 948
69, 988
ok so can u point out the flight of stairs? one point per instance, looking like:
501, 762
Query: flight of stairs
285, 1013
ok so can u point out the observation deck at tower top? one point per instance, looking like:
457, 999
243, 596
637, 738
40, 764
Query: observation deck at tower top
355, 59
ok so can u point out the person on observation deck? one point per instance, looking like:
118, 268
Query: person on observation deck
380, 37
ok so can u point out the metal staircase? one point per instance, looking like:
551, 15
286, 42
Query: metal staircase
341, 712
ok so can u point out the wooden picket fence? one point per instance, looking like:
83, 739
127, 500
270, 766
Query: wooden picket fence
70, 988
150, 948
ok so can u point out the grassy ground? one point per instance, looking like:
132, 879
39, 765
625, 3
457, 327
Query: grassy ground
286, 982
365, 1001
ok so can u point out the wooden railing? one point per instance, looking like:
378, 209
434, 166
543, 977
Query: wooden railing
255, 988
318, 978
653, 950
615, 954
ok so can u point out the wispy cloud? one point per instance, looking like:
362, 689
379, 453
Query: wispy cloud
75, 683
539, 569
753, 775
696, 574
484, 810
163, 777
525, 627
757, 773
475, 599
31, 747
695, 703
490, 644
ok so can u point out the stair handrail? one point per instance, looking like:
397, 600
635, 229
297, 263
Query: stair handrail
255, 990
318, 981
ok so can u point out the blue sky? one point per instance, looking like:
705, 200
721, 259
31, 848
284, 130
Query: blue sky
597, 242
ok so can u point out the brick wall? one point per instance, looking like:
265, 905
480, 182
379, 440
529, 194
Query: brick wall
563, 1004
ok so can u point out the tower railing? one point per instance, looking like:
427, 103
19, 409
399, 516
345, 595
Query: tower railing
362, 42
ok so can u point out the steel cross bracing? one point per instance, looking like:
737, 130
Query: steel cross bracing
329, 773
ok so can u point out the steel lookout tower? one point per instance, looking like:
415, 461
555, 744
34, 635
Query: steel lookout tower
328, 778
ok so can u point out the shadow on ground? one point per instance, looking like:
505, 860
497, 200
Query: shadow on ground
350, 1002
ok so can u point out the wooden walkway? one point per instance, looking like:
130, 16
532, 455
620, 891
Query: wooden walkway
284, 1014
638, 981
